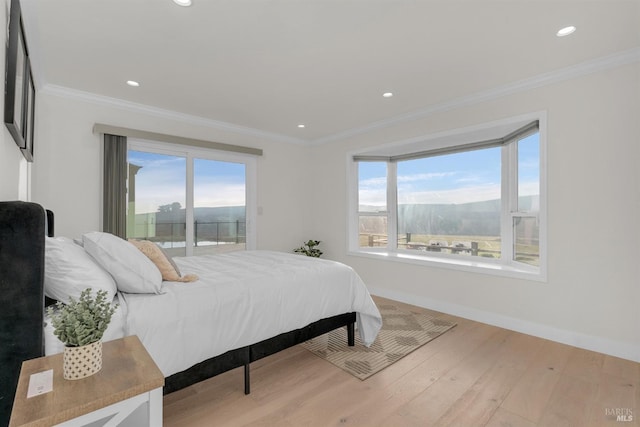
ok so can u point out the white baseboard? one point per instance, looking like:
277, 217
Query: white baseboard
575, 339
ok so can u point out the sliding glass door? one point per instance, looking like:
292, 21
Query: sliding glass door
190, 201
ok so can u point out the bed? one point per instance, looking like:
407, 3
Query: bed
244, 306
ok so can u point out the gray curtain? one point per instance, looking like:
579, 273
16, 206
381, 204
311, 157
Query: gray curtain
115, 185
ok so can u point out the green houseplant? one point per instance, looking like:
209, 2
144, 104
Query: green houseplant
80, 325
309, 249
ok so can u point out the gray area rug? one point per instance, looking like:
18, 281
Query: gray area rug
402, 332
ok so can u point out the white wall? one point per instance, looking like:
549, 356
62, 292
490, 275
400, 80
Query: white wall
14, 173
68, 167
592, 294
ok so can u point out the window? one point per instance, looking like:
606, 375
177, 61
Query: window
451, 203
190, 201
473, 201
372, 207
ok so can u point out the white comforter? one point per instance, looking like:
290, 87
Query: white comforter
243, 298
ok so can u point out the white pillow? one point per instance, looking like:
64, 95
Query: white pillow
131, 269
68, 270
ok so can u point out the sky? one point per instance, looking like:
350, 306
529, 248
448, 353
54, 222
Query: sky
162, 180
464, 177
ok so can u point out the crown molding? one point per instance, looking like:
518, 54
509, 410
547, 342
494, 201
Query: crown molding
584, 68
65, 92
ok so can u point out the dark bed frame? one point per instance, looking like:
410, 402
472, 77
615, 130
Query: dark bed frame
23, 226
245, 355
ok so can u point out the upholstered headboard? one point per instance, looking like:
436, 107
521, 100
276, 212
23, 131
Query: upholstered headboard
22, 244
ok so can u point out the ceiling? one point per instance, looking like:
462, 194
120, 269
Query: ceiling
265, 66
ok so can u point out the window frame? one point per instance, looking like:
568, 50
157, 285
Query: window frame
457, 138
190, 153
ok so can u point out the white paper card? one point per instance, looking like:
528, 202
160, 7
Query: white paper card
40, 383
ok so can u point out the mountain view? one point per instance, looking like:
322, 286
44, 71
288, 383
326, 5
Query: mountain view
476, 219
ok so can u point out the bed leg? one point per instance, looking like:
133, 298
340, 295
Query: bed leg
351, 334
247, 382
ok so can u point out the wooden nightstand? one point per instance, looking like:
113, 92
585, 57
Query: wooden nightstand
129, 384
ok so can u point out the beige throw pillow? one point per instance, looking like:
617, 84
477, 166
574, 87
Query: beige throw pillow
167, 268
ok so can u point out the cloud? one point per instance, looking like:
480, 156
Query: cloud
469, 194
149, 198
416, 189
373, 182
424, 176
220, 195
373, 197
530, 188
164, 187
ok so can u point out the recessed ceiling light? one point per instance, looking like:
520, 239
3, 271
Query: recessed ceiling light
133, 83
184, 3
301, 126
387, 94
565, 31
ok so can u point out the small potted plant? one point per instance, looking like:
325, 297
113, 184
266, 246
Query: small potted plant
80, 325
309, 249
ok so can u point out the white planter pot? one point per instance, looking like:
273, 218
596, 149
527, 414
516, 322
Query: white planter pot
81, 362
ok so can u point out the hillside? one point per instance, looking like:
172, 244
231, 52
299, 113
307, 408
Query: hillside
477, 218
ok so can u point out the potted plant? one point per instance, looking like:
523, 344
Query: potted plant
80, 325
309, 249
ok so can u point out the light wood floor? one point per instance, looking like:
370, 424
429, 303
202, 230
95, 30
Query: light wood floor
473, 375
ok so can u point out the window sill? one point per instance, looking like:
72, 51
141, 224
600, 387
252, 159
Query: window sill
459, 264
